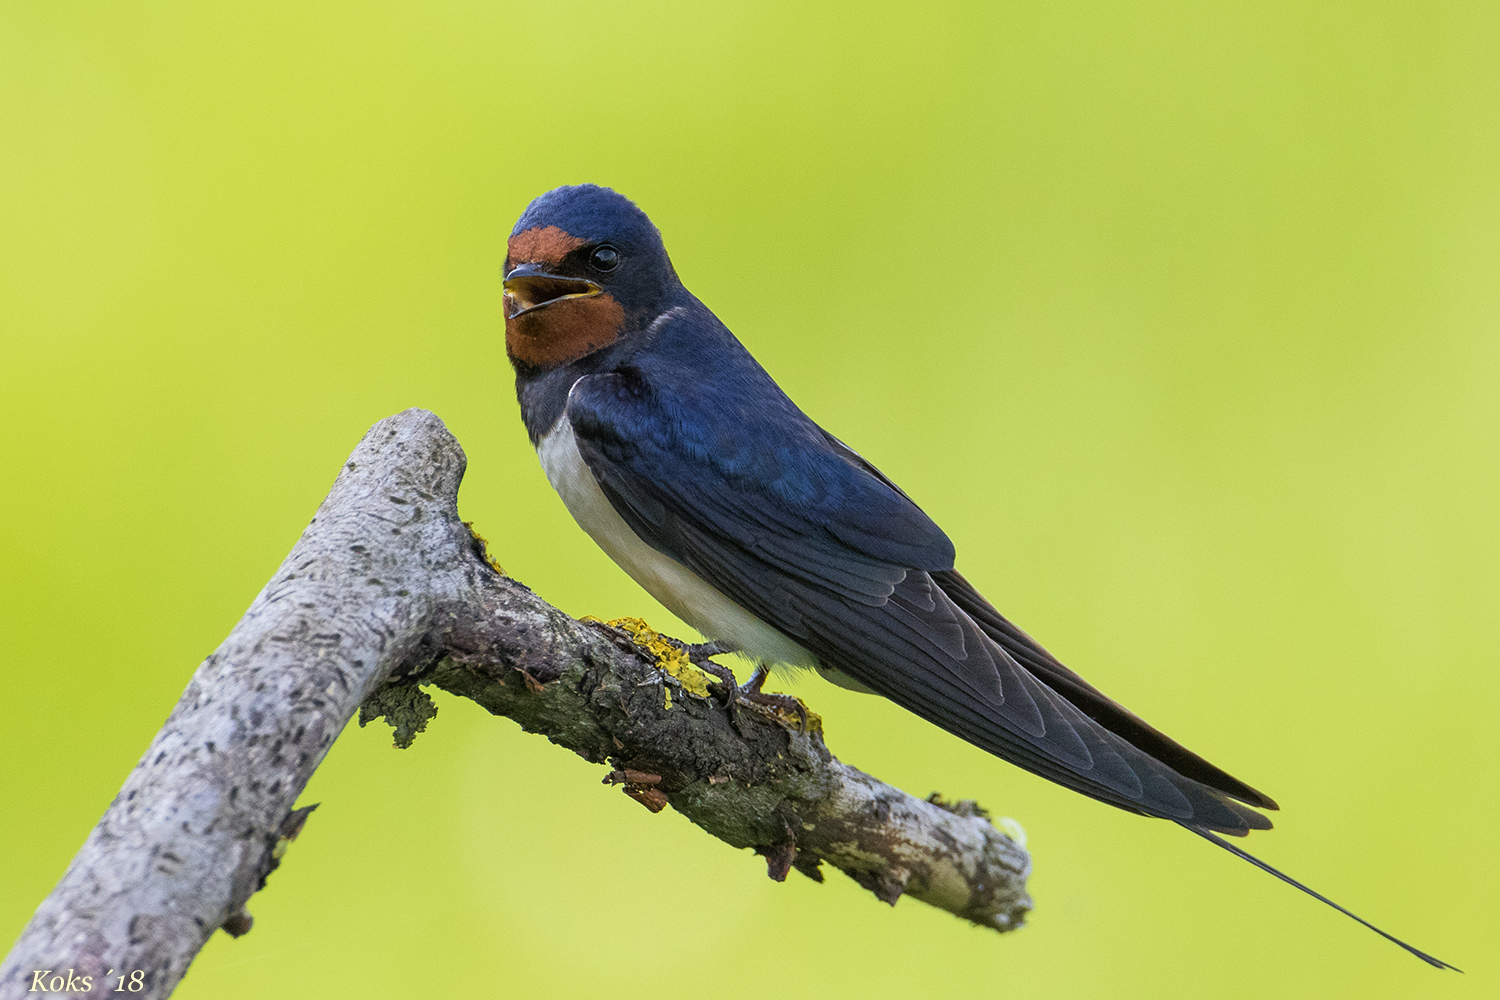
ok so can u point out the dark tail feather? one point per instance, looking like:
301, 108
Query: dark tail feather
1436, 963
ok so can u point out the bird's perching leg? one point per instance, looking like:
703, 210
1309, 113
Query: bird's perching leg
750, 691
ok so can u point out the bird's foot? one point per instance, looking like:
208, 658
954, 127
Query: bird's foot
751, 691
683, 660
728, 686
699, 651
698, 654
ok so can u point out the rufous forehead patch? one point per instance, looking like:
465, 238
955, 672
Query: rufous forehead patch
542, 245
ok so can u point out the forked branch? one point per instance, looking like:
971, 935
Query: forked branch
388, 590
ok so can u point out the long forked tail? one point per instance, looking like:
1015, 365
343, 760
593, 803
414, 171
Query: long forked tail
1436, 963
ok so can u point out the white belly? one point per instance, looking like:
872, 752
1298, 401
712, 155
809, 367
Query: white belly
685, 593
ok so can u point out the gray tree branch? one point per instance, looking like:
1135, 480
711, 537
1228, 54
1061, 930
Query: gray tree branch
388, 590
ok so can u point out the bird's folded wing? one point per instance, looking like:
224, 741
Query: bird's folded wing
1083, 695
831, 554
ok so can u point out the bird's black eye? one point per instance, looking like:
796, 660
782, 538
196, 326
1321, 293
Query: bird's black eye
605, 258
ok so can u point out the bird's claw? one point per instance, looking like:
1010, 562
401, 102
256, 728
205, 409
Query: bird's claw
751, 692
699, 653
727, 684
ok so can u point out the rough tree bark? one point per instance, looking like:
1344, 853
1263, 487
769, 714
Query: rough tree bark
388, 590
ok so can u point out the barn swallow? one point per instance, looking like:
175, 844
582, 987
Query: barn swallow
689, 466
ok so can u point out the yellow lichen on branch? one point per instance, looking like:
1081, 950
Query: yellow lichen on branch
669, 656
672, 660
482, 549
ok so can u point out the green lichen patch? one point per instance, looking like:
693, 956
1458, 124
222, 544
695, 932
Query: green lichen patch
406, 708
963, 807
968, 807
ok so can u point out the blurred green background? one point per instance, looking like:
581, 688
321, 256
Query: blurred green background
1183, 319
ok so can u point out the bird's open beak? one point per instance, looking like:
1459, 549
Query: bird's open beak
529, 287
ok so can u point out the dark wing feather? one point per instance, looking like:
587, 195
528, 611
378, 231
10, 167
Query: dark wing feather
824, 549
1090, 700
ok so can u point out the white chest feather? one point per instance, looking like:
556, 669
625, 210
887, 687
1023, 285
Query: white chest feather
685, 593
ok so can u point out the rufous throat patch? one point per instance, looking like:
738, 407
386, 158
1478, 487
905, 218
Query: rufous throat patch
564, 331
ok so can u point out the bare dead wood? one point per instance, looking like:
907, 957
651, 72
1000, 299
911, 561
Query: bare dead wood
388, 590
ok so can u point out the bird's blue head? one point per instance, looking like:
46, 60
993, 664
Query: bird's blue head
584, 267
